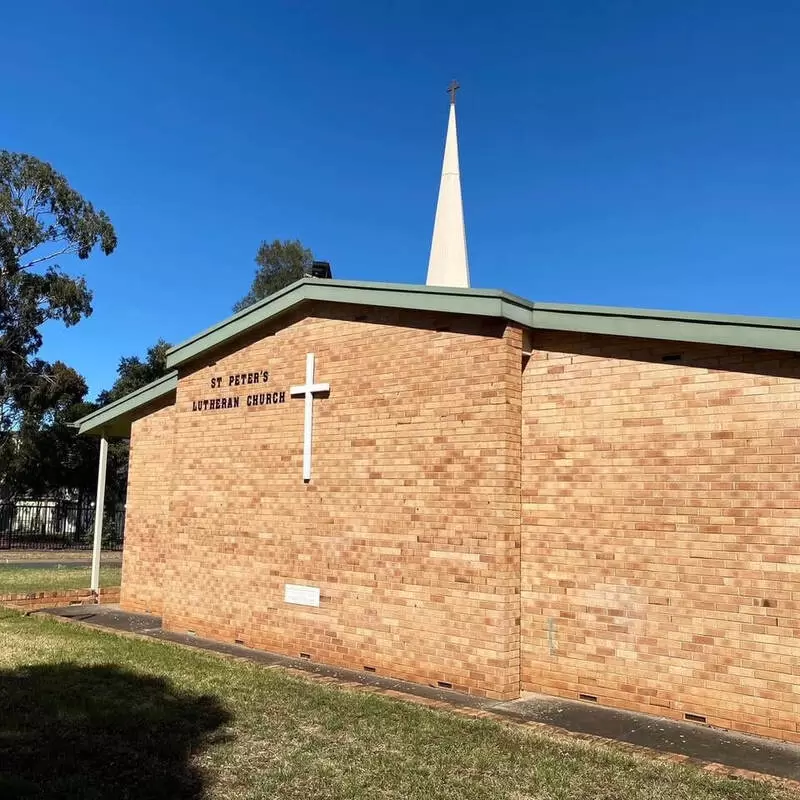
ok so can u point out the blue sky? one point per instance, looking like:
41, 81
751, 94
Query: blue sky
619, 153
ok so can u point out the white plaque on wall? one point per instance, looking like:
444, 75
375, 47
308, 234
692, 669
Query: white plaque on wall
301, 595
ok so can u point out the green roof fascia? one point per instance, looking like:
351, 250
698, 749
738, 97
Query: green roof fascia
475, 302
736, 331
115, 418
722, 329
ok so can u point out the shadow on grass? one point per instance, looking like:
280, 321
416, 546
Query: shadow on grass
96, 733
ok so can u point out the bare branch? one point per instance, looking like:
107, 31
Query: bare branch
49, 256
62, 237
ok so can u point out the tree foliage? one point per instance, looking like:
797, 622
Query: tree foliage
49, 458
42, 219
42, 453
132, 373
279, 264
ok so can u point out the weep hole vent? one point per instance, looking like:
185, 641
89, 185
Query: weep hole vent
694, 718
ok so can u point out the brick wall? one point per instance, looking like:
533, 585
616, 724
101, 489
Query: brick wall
661, 552
147, 511
410, 525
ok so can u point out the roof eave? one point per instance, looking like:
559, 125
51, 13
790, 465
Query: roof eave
472, 302
750, 332
753, 332
757, 332
114, 420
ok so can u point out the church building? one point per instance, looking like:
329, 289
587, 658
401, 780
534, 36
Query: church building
467, 489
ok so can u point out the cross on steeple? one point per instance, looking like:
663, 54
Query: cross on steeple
452, 89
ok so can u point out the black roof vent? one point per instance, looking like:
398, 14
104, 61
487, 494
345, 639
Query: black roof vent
321, 269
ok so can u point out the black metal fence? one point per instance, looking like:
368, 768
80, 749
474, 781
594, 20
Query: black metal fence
57, 525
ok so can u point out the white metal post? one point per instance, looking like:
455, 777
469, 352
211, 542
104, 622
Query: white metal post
98, 514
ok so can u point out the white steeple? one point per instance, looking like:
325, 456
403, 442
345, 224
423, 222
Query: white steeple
448, 264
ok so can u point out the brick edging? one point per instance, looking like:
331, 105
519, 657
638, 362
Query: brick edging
712, 767
33, 601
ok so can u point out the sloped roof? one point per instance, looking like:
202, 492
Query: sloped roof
735, 331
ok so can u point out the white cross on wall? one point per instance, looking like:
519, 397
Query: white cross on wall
308, 391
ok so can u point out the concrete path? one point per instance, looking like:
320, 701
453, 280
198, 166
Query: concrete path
704, 743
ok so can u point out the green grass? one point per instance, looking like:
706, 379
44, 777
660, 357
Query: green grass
14, 580
87, 714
